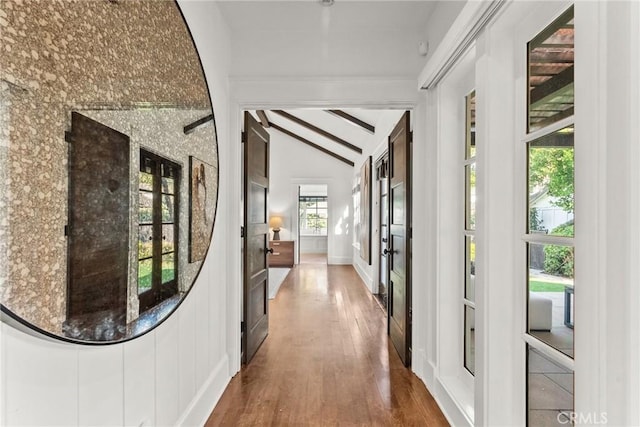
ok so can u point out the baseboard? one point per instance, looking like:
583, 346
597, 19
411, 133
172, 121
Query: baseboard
368, 281
454, 414
207, 397
339, 260
450, 409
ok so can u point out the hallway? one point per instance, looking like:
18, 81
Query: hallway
326, 361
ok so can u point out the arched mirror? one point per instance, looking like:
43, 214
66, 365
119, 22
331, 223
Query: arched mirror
109, 165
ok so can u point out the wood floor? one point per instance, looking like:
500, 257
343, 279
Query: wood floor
327, 361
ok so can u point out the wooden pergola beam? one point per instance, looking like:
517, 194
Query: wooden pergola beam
560, 22
318, 130
356, 121
311, 144
555, 86
555, 118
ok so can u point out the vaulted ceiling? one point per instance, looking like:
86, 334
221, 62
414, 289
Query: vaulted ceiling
342, 134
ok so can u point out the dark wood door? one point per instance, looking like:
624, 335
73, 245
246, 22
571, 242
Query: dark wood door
399, 309
98, 229
256, 237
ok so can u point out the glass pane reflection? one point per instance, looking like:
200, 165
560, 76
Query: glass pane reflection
551, 183
549, 391
168, 268
470, 276
550, 68
469, 339
550, 296
145, 269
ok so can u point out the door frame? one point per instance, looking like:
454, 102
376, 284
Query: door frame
295, 209
400, 94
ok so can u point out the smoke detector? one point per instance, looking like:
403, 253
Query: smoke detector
327, 3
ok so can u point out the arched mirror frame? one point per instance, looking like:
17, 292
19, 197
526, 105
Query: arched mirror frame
11, 318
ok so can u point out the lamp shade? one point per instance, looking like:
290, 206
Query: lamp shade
275, 222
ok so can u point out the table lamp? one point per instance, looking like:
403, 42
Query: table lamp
275, 222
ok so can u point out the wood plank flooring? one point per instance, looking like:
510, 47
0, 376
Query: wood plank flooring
327, 361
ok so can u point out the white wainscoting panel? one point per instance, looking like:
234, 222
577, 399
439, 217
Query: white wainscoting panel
139, 381
186, 352
167, 372
40, 381
100, 394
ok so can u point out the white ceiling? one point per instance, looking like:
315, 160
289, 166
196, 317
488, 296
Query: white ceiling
303, 38
353, 38
310, 16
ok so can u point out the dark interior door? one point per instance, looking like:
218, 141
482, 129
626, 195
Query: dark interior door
256, 237
399, 257
98, 229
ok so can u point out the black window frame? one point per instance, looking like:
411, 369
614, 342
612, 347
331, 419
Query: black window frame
159, 168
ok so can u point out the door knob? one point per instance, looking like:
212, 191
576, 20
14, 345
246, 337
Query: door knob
269, 250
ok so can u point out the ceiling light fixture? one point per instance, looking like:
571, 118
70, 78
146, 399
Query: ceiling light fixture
327, 2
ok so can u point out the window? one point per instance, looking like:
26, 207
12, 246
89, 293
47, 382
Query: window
550, 73
468, 301
313, 215
549, 234
159, 181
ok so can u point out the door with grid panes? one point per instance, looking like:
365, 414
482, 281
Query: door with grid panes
159, 181
549, 235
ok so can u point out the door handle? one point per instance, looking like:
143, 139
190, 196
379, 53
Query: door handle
386, 252
269, 250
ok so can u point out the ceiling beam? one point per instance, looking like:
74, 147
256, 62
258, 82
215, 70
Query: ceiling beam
356, 121
311, 144
317, 130
192, 126
264, 121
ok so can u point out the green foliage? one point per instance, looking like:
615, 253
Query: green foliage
145, 215
145, 249
535, 222
144, 274
539, 286
559, 259
553, 168
146, 180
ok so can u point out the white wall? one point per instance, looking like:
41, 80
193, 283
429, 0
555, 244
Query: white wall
171, 375
376, 146
294, 163
313, 244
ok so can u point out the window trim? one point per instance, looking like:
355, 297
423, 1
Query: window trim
316, 199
